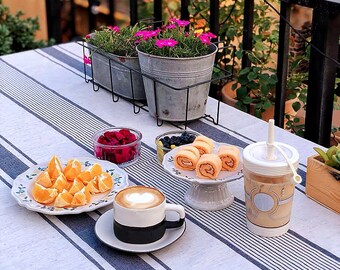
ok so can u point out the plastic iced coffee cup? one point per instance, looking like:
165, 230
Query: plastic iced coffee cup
269, 182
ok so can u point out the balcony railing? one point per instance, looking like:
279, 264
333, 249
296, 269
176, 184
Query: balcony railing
324, 57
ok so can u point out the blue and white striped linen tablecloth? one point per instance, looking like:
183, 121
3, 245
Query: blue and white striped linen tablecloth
46, 108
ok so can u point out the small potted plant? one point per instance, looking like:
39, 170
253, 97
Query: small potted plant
118, 44
255, 88
323, 177
178, 58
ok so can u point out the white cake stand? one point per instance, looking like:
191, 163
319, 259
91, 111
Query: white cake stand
204, 194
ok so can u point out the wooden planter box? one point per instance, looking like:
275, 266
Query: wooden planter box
321, 184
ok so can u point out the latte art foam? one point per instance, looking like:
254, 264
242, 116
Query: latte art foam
139, 197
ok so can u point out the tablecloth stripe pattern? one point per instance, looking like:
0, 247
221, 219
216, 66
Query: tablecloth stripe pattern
47, 104
221, 223
66, 59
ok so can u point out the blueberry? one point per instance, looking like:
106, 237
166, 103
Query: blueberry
192, 138
173, 139
166, 144
167, 138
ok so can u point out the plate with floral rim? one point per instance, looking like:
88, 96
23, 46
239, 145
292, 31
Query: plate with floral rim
190, 176
22, 186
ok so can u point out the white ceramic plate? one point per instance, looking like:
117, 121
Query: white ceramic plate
22, 186
223, 176
104, 231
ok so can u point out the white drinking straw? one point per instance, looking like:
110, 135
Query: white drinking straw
297, 178
271, 145
270, 141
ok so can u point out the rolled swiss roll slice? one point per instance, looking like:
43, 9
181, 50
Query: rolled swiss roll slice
205, 139
208, 166
230, 156
202, 147
186, 158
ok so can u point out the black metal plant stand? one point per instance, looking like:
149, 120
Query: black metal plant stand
138, 105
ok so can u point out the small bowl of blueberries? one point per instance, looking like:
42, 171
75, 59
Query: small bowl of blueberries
169, 140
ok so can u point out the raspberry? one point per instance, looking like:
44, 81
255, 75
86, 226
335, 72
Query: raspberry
116, 138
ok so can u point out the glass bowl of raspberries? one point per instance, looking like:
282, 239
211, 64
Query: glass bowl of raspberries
119, 145
169, 140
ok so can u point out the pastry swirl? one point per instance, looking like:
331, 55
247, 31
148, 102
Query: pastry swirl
186, 158
230, 156
208, 166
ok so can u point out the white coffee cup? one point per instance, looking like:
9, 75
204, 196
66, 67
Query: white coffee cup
139, 215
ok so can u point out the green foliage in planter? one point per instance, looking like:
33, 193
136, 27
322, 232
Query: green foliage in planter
256, 85
16, 33
186, 44
119, 41
331, 157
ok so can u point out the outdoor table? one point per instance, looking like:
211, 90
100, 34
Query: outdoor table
48, 109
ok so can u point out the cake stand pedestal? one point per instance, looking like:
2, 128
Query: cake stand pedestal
208, 197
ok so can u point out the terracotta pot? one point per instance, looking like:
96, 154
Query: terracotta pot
301, 114
335, 138
229, 97
321, 184
336, 118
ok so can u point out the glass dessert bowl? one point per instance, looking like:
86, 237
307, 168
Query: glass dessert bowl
119, 145
169, 140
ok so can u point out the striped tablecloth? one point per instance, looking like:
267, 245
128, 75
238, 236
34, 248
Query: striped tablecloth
46, 108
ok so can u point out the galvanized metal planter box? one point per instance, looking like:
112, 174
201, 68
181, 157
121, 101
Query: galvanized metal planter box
173, 104
125, 81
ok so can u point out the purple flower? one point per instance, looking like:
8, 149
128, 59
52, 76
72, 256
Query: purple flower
180, 23
205, 38
145, 34
211, 35
87, 60
160, 43
171, 26
114, 28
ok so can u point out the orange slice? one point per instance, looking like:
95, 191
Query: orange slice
82, 197
44, 179
92, 186
84, 177
76, 186
72, 169
63, 199
54, 167
44, 195
105, 182
61, 183
87, 194
95, 170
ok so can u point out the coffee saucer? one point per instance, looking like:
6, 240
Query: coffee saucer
104, 231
